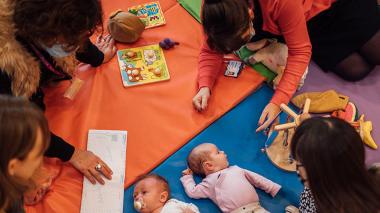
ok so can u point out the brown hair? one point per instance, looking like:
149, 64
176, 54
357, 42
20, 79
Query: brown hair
332, 153
46, 20
20, 120
160, 179
224, 22
196, 159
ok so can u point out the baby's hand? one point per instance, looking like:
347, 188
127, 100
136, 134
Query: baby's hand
187, 172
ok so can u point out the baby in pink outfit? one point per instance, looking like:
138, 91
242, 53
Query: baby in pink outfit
230, 187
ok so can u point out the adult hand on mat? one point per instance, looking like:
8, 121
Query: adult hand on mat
268, 115
106, 44
201, 98
86, 162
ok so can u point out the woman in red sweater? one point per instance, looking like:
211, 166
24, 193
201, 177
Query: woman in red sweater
344, 34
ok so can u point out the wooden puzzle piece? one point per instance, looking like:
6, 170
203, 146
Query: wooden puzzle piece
134, 73
150, 56
157, 71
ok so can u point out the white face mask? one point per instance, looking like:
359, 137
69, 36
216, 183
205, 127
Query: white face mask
57, 51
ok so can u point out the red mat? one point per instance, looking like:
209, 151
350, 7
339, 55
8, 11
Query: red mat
159, 117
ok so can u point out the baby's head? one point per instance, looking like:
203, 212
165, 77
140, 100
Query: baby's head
206, 158
151, 192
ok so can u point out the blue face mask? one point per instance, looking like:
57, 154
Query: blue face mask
57, 51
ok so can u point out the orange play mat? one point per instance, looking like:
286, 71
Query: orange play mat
159, 117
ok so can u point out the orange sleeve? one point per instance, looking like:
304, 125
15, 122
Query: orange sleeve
289, 16
209, 65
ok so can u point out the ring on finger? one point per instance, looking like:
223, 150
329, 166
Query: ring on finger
98, 167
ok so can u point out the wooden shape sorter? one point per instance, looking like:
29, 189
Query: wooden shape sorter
142, 65
150, 14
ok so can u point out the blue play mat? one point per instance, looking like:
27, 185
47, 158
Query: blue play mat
234, 133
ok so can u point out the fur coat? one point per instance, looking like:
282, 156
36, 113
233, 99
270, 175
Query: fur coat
21, 66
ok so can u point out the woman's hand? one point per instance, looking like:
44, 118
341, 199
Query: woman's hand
201, 98
86, 162
268, 115
106, 44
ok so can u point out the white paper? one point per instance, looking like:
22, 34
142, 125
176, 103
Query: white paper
110, 146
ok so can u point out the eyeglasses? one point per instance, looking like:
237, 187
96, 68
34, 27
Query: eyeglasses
298, 165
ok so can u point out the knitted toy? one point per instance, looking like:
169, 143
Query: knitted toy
271, 53
339, 105
125, 27
322, 102
167, 43
364, 128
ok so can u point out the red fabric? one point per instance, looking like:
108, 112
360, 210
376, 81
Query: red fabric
281, 17
159, 117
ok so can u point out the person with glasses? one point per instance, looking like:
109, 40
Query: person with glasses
330, 159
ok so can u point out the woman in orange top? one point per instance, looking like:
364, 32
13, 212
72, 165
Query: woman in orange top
344, 34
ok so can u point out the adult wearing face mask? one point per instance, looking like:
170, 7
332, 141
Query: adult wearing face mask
42, 42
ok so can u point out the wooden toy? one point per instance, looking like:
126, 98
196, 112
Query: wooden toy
279, 151
157, 71
149, 13
142, 65
297, 118
131, 54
